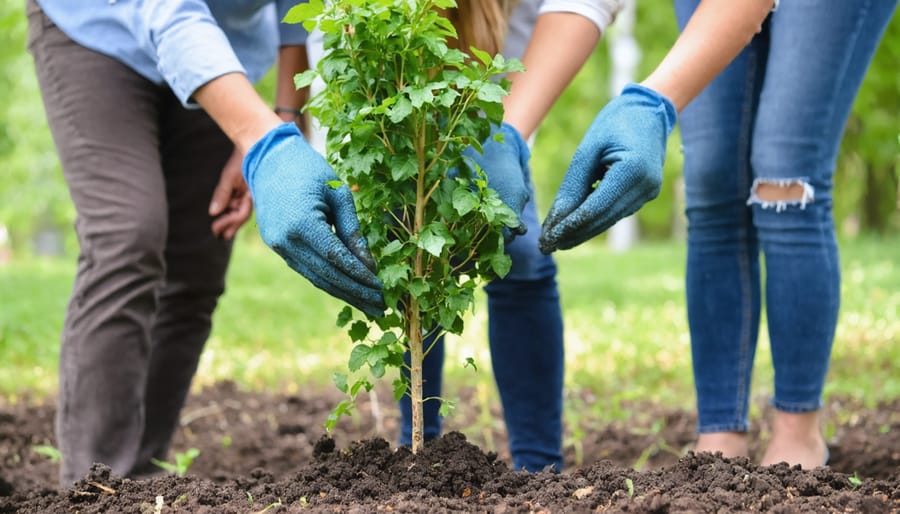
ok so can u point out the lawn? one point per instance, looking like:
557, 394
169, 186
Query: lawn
626, 334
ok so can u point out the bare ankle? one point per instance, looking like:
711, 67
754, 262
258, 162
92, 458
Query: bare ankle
730, 444
796, 439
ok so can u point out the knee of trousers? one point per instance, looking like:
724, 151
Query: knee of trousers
199, 268
713, 176
801, 218
124, 242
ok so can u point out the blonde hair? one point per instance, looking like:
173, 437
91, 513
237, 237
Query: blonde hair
481, 23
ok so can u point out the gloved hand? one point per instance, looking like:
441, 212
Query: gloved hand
624, 149
296, 210
506, 167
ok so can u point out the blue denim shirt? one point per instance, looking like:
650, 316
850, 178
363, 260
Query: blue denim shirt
183, 43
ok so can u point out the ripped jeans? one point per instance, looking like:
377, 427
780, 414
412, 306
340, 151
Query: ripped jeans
760, 145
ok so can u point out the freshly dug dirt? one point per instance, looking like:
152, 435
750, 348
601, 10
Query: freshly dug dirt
262, 452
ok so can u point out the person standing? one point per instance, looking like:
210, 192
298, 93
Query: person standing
764, 96
157, 187
760, 149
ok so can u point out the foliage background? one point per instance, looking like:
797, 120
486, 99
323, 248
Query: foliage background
33, 195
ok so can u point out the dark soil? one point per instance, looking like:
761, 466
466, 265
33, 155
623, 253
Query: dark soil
267, 453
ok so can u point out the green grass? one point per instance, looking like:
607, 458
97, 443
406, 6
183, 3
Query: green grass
626, 333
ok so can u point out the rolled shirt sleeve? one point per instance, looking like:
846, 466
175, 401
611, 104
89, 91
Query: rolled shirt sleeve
181, 43
190, 47
600, 12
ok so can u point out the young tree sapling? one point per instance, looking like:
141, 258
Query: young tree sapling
401, 105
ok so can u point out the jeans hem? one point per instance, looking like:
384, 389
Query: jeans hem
797, 408
730, 427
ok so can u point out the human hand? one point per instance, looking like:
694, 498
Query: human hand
231, 204
506, 167
310, 224
624, 150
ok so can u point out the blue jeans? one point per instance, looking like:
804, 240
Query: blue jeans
774, 116
526, 342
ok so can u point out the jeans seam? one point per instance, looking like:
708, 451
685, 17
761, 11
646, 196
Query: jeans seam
743, 251
845, 64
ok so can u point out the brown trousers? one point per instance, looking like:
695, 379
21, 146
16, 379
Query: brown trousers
140, 169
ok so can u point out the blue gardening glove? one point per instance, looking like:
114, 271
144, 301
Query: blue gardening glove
506, 167
624, 150
310, 224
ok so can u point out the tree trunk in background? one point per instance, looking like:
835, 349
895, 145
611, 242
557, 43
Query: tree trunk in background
625, 55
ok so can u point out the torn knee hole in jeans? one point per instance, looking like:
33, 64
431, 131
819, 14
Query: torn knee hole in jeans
778, 194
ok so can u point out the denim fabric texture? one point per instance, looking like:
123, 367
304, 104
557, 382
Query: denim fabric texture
775, 116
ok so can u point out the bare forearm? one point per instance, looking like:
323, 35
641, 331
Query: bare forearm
291, 61
235, 106
714, 36
559, 46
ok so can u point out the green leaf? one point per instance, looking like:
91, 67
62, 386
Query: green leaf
360, 162
470, 362
391, 248
501, 263
387, 338
434, 238
377, 354
420, 97
402, 169
358, 330
400, 388
335, 184
302, 80
493, 110
464, 200
448, 97
334, 66
358, 356
447, 406
418, 287
343, 408
303, 12
360, 384
436, 47
481, 55
490, 92
340, 381
400, 110
394, 274
345, 316
459, 301
512, 65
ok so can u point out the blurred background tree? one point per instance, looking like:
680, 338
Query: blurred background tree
34, 200
867, 180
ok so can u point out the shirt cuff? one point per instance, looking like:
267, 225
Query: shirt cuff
600, 12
